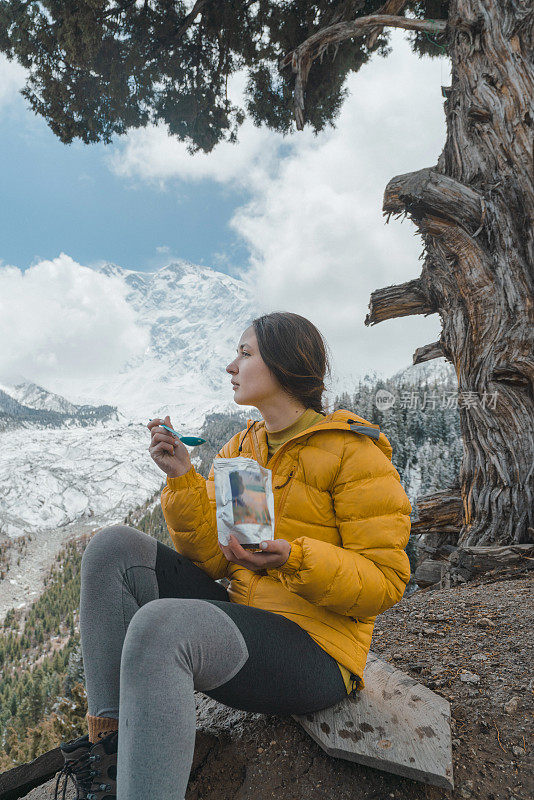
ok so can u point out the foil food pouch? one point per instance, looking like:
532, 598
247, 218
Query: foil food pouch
244, 500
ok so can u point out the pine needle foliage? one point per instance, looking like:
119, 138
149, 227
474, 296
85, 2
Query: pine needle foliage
99, 68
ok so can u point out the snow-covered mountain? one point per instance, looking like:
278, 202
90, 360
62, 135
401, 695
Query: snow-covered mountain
33, 396
45, 409
58, 460
437, 370
76, 451
195, 316
75, 454
50, 478
80, 451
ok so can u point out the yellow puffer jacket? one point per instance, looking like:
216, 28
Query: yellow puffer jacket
338, 500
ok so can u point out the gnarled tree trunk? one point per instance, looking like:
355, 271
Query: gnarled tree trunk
475, 211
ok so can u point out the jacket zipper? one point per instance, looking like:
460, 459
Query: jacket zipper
284, 493
255, 444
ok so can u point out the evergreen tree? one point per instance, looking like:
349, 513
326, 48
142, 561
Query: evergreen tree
75, 671
99, 68
69, 718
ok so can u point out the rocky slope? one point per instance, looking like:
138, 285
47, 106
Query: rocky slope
472, 644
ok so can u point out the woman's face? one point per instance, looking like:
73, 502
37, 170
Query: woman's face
256, 384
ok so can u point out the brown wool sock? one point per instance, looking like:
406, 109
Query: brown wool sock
97, 724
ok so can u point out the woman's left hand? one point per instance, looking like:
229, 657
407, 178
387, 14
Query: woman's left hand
276, 553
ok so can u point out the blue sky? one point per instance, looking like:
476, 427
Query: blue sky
298, 218
64, 197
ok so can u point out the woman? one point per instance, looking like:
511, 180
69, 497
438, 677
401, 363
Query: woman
292, 632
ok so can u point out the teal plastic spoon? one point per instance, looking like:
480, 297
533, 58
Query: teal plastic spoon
190, 440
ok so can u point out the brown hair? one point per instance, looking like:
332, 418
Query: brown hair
296, 354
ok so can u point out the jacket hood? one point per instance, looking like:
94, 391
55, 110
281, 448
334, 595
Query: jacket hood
341, 419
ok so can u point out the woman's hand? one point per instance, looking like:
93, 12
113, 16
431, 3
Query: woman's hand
276, 553
169, 453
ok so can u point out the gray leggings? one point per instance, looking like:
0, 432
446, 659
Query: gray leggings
154, 627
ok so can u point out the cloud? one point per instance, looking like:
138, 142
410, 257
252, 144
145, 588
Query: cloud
61, 316
313, 222
318, 240
151, 155
12, 79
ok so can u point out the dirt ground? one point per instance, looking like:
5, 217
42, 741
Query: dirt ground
473, 644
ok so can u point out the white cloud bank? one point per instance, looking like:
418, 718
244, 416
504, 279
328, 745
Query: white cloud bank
318, 241
151, 155
61, 318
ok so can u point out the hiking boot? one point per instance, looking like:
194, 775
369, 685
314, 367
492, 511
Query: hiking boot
92, 767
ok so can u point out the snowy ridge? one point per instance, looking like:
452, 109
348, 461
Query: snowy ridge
438, 370
50, 478
33, 396
195, 316
93, 463
44, 410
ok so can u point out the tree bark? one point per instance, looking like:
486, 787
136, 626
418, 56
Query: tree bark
427, 352
440, 513
400, 300
475, 212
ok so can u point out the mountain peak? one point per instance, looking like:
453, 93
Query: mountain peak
180, 268
111, 269
180, 265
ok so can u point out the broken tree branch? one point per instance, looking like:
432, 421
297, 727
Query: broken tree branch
479, 560
427, 192
305, 54
439, 512
391, 7
428, 352
401, 300
20, 780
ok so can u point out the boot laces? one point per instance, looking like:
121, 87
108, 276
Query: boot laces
78, 772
